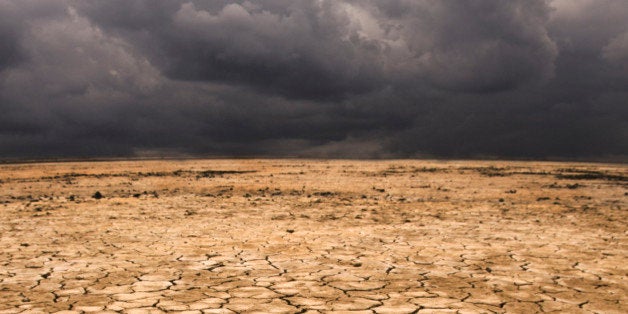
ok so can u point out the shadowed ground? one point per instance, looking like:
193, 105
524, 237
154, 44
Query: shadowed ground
300, 236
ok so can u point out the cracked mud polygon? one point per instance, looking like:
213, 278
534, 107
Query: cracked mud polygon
313, 236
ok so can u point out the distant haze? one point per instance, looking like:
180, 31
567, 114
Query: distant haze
315, 78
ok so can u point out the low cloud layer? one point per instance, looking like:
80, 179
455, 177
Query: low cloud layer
360, 79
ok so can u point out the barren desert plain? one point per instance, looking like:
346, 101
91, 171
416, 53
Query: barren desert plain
313, 236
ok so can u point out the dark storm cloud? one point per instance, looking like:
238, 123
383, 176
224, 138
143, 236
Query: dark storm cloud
299, 49
322, 49
325, 78
8, 51
9, 37
476, 46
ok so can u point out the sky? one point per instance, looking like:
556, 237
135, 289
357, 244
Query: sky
531, 79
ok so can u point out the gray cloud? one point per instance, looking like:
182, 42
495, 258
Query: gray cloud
9, 36
478, 46
322, 49
314, 78
8, 51
616, 52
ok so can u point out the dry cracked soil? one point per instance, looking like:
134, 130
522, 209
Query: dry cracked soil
313, 236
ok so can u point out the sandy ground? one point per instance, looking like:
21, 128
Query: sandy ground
302, 236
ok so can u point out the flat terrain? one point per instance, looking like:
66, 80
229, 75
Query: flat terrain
307, 236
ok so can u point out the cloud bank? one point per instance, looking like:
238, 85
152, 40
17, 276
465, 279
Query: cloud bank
512, 79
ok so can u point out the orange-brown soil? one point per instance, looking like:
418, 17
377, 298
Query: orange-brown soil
307, 236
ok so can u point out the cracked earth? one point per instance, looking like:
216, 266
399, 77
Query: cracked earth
295, 236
